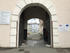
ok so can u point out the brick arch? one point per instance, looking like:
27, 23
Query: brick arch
15, 19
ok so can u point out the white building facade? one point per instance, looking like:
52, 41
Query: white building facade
58, 10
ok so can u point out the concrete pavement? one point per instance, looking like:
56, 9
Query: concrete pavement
34, 50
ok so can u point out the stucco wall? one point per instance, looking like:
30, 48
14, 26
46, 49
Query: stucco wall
6, 5
63, 14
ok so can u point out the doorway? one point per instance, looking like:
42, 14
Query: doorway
34, 12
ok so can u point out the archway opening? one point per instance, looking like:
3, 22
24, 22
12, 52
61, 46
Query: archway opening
35, 33
34, 29
34, 12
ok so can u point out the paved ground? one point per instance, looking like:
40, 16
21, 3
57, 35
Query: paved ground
36, 43
34, 46
35, 36
34, 50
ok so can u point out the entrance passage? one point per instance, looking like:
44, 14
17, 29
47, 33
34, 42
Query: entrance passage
34, 12
35, 33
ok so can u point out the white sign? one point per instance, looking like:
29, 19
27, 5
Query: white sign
64, 27
5, 17
67, 27
61, 28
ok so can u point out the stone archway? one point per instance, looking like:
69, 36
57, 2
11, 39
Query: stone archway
35, 11
15, 20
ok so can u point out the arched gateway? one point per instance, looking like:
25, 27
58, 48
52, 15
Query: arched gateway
21, 6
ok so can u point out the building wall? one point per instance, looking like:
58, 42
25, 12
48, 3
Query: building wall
6, 5
62, 9
63, 14
33, 28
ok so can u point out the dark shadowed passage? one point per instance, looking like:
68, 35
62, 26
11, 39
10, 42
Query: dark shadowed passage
34, 12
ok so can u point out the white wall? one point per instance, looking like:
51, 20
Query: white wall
63, 14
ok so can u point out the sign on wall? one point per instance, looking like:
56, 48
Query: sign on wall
64, 27
5, 17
